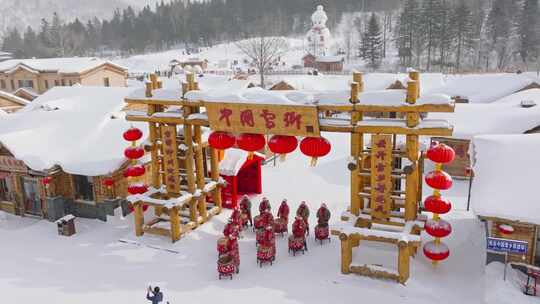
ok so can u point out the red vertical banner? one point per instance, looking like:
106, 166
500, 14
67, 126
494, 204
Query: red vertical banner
381, 175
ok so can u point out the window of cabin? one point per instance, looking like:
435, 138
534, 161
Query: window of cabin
2, 84
46, 84
70, 82
7, 192
63, 83
84, 187
56, 83
26, 84
106, 82
13, 84
20, 83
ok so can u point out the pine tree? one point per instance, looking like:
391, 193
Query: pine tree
13, 43
462, 22
432, 24
371, 45
499, 29
529, 30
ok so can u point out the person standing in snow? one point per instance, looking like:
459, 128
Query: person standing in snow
303, 212
299, 229
323, 215
265, 204
156, 297
245, 208
230, 228
283, 211
236, 217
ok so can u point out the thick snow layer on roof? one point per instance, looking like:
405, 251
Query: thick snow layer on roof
505, 116
482, 88
62, 65
251, 95
77, 128
232, 161
506, 179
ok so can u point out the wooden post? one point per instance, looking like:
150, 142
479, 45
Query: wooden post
148, 90
154, 80
346, 253
357, 203
175, 224
403, 261
412, 92
412, 179
153, 136
190, 166
139, 219
415, 75
214, 171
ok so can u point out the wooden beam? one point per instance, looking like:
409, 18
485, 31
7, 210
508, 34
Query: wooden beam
346, 253
139, 219
175, 224
442, 108
400, 130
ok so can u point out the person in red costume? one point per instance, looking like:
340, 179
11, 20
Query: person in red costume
283, 211
267, 217
269, 239
323, 215
236, 217
303, 212
299, 229
265, 204
230, 228
232, 250
245, 208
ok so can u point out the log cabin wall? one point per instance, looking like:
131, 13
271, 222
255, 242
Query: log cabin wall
522, 232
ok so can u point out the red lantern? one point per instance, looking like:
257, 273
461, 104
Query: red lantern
436, 252
144, 208
250, 142
221, 140
439, 180
282, 144
132, 134
437, 204
46, 180
137, 189
506, 229
441, 153
133, 152
315, 147
438, 229
135, 171
108, 182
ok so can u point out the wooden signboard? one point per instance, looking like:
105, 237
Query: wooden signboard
381, 176
170, 158
11, 164
264, 119
459, 167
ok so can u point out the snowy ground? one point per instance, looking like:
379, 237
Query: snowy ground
93, 267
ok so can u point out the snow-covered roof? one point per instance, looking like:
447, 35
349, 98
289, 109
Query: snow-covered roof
482, 88
28, 91
505, 116
13, 98
233, 160
506, 179
60, 65
78, 128
329, 59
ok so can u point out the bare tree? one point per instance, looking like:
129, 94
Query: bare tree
263, 51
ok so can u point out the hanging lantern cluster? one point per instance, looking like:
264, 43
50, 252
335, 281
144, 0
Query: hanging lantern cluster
438, 180
282, 145
134, 171
46, 181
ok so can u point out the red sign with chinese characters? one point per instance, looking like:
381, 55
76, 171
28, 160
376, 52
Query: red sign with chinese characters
381, 175
170, 159
11, 164
264, 118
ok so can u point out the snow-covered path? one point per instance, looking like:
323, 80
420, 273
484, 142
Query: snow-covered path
37, 266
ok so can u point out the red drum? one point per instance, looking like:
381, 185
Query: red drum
258, 222
296, 244
225, 266
222, 245
244, 218
322, 233
266, 254
280, 225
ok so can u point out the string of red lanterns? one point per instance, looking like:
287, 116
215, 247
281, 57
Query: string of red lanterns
438, 180
134, 171
282, 145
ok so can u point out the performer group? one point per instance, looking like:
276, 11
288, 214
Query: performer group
266, 227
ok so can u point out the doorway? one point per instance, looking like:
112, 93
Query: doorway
32, 196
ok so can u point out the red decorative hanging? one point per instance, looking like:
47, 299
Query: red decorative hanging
134, 171
108, 182
132, 209
137, 189
133, 152
436, 252
438, 228
282, 144
315, 147
437, 204
250, 142
132, 134
440, 153
439, 180
505, 229
46, 180
221, 140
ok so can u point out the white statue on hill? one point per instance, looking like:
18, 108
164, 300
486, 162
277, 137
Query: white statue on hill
318, 37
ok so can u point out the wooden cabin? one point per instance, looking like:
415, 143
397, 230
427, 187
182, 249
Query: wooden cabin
26, 93
10, 103
330, 63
